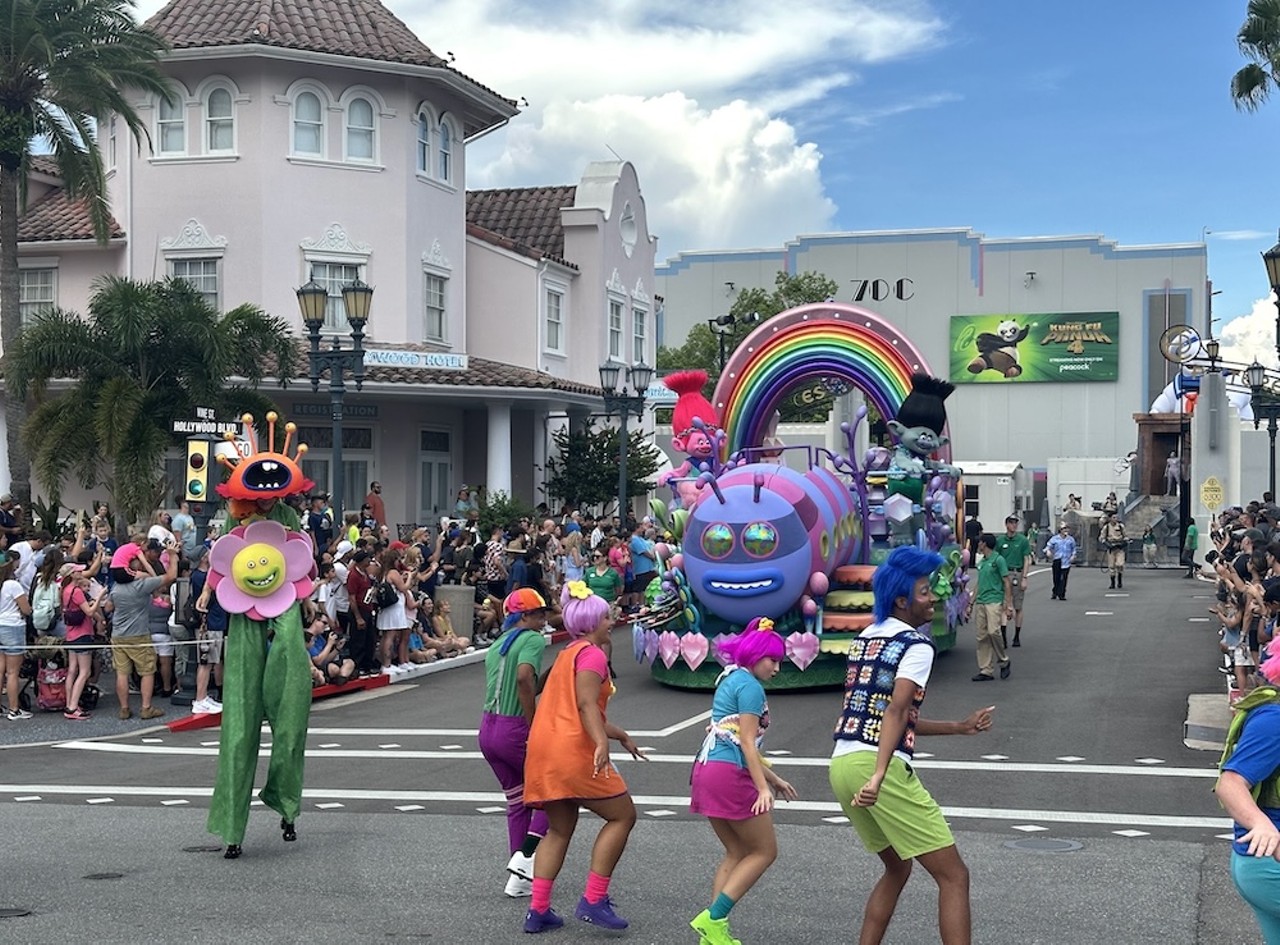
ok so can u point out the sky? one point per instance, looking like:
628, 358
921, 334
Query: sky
751, 122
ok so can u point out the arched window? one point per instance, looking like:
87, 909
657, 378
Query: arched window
308, 125
360, 130
446, 152
219, 120
171, 126
424, 143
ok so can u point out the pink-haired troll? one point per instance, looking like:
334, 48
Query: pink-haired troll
731, 784
567, 765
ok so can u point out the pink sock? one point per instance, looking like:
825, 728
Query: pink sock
597, 887
541, 894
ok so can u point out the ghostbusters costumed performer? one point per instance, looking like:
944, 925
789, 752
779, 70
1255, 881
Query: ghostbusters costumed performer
259, 572
698, 443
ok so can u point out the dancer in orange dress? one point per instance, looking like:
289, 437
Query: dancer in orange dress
567, 765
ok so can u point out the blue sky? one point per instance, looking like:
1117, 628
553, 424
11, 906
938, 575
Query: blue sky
752, 121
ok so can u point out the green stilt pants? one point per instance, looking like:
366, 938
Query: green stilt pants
261, 681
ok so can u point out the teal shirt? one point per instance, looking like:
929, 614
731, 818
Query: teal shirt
991, 577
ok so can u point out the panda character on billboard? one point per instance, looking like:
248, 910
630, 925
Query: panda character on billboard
999, 351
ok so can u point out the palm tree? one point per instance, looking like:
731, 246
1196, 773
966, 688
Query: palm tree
1259, 40
63, 63
149, 353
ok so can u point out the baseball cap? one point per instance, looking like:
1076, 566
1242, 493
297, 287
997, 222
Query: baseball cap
522, 600
397, 546
344, 546
68, 569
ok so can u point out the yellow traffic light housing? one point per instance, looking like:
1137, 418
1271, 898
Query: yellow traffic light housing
197, 477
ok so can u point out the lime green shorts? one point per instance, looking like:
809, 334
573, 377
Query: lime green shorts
905, 816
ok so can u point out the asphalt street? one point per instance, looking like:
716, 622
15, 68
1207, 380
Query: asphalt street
403, 831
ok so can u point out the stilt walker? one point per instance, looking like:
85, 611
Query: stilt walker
260, 571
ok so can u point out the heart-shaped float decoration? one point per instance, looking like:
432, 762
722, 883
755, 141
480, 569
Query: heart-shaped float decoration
650, 645
637, 643
694, 648
717, 647
802, 649
668, 647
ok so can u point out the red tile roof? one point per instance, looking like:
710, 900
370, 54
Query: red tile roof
56, 217
363, 29
527, 215
497, 239
44, 164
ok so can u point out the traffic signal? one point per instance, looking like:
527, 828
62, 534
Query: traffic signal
197, 470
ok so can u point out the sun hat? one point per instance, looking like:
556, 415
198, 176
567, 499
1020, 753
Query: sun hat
522, 600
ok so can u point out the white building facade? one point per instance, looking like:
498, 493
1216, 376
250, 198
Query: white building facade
922, 281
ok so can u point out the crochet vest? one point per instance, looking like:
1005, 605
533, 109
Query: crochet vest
1266, 793
868, 689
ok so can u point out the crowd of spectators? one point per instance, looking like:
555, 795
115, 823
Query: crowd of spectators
375, 607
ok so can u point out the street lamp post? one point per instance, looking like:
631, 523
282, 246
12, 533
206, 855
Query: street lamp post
313, 299
625, 405
1271, 259
1265, 405
722, 327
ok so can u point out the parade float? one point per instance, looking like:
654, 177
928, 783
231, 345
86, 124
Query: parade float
747, 535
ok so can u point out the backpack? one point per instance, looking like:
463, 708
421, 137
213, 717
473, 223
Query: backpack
45, 601
387, 595
51, 687
190, 617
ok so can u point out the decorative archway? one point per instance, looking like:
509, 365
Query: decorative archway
824, 339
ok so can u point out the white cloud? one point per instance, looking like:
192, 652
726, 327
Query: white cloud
695, 95
1252, 336
1236, 235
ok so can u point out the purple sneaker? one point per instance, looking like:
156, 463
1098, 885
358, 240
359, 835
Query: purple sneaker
537, 921
600, 913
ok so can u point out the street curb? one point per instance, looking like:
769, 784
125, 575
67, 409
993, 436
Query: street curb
1208, 717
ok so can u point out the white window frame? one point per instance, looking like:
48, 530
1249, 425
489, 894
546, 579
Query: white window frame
335, 248
430, 273
615, 327
639, 334
27, 306
335, 313
560, 294
163, 124
111, 143
323, 100
210, 120
370, 130
177, 261
423, 127
446, 138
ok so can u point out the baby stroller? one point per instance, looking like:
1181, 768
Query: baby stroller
45, 666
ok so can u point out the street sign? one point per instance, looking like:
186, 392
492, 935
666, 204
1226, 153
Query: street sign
1211, 493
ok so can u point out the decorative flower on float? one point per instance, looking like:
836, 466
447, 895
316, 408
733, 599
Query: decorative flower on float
261, 570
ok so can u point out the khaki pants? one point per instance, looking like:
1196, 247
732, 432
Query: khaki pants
1115, 561
990, 643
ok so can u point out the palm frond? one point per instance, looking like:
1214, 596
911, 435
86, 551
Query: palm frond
55, 344
119, 403
1250, 87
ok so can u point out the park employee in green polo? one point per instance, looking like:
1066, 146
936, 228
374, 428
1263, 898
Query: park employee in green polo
993, 601
1016, 551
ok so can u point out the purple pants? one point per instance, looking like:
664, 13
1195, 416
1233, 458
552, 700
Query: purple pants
503, 739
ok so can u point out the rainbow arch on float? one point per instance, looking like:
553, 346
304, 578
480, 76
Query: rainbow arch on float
824, 339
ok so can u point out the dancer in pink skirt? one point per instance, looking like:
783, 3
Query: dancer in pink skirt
732, 785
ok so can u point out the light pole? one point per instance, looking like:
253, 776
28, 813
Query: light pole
1266, 405
1271, 259
624, 404
313, 299
722, 327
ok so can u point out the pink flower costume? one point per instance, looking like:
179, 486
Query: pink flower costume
259, 572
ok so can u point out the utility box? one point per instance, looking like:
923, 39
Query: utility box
994, 489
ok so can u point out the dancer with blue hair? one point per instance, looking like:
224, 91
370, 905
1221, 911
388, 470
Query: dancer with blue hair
732, 786
871, 774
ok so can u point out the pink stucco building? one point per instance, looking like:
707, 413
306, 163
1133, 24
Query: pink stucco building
322, 140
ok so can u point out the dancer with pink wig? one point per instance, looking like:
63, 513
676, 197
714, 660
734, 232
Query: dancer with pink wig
732, 785
567, 765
